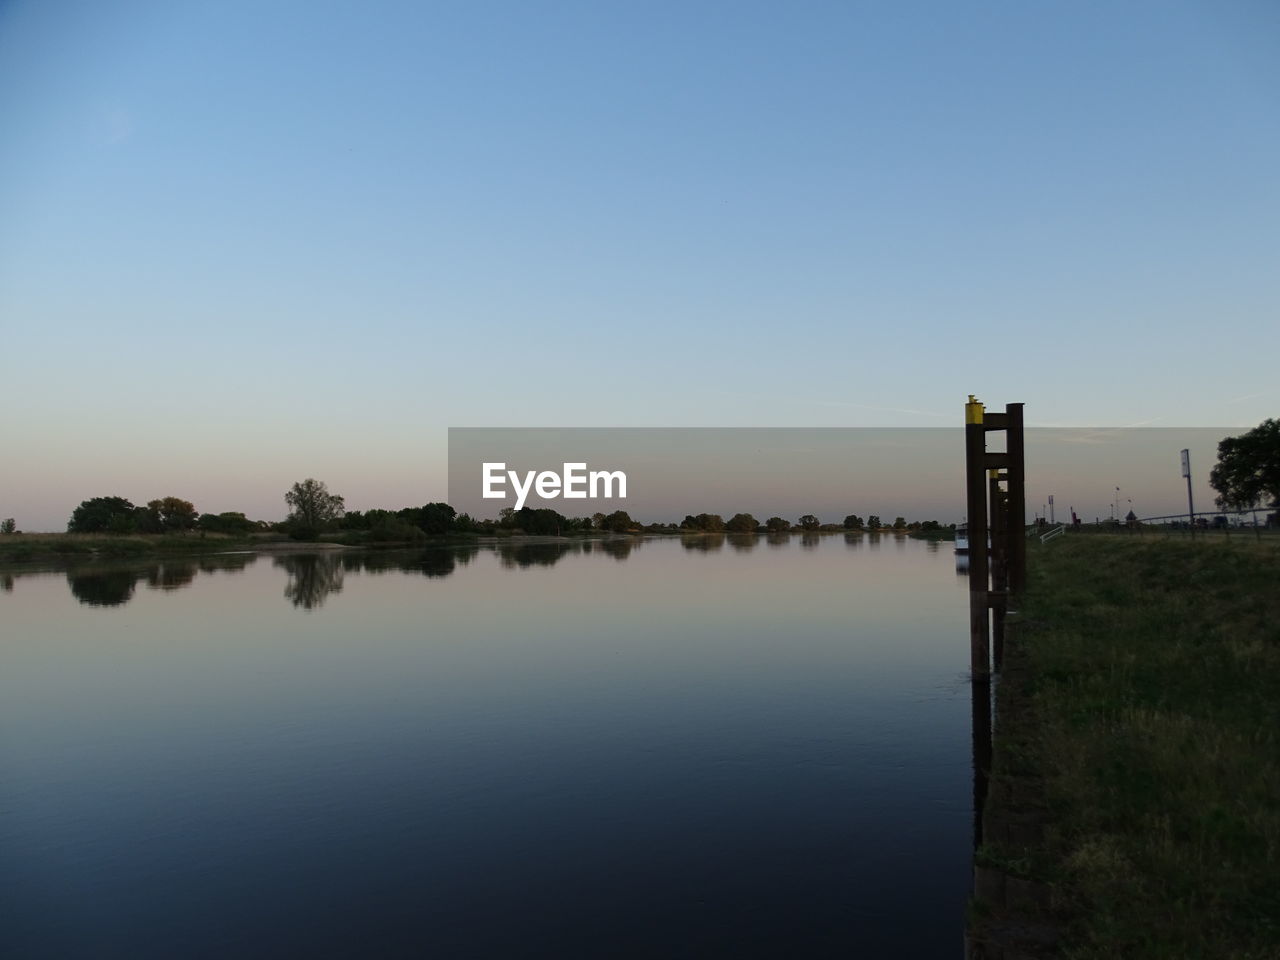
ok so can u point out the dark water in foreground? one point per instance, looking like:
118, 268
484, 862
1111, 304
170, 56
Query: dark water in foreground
678, 750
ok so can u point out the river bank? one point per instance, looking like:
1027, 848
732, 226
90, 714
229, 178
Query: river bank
1132, 804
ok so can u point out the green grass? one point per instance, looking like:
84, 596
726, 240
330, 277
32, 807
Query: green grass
1153, 682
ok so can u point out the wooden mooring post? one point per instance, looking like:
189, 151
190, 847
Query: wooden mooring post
996, 496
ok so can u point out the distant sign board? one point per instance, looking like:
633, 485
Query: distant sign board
1186, 463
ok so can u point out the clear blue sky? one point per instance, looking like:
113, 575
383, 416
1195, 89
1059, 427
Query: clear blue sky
245, 243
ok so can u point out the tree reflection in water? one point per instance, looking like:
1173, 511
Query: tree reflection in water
532, 554
743, 542
434, 562
110, 588
618, 549
703, 543
170, 576
114, 586
312, 577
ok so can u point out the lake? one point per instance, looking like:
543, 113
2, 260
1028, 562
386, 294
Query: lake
716, 746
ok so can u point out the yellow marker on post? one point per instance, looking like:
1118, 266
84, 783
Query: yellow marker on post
973, 411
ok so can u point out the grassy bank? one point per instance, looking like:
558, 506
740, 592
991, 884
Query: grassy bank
1148, 679
44, 547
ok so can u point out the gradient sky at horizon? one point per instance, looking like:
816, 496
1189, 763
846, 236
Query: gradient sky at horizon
242, 244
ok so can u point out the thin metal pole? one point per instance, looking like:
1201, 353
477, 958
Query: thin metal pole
1191, 508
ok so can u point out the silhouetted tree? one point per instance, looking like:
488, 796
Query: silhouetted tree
229, 522
708, 522
437, 519
809, 522
1248, 468
619, 522
8, 525
173, 513
541, 522
853, 522
873, 522
103, 514
899, 523
312, 507
777, 525
742, 523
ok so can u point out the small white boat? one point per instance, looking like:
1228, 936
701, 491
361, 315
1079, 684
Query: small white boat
962, 539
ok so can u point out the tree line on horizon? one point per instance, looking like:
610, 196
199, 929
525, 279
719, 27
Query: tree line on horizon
313, 510
1247, 474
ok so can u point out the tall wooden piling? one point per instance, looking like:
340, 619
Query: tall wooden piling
998, 507
975, 447
999, 511
1016, 491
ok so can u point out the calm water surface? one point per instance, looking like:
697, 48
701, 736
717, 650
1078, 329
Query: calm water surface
715, 747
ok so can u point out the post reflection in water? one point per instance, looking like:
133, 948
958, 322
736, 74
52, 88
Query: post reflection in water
981, 727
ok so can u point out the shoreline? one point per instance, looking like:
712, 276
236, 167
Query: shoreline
24, 550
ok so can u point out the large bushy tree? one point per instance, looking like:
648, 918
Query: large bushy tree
742, 523
619, 522
102, 515
437, 518
174, 513
1248, 468
228, 522
312, 507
